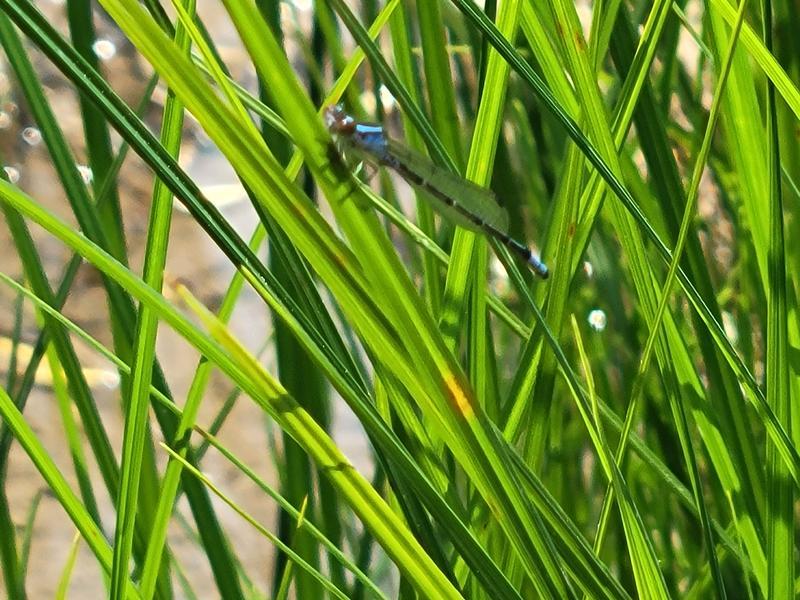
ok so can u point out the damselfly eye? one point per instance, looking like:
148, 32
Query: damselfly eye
330, 115
337, 120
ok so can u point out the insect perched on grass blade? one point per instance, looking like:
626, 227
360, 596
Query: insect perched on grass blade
463, 202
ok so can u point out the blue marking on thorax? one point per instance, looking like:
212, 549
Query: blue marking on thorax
372, 139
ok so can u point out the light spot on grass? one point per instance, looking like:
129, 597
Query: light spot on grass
597, 319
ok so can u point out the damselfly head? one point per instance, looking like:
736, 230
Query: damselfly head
338, 121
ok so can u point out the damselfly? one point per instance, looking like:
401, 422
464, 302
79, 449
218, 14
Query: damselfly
460, 200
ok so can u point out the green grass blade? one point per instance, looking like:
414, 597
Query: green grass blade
436, 62
756, 396
781, 525
143, 293
135, 438
98, 139
137, 134
675, 448
61, 490
302, 522
296, 558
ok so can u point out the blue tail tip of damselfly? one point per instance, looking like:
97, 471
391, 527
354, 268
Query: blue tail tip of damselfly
538, 266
